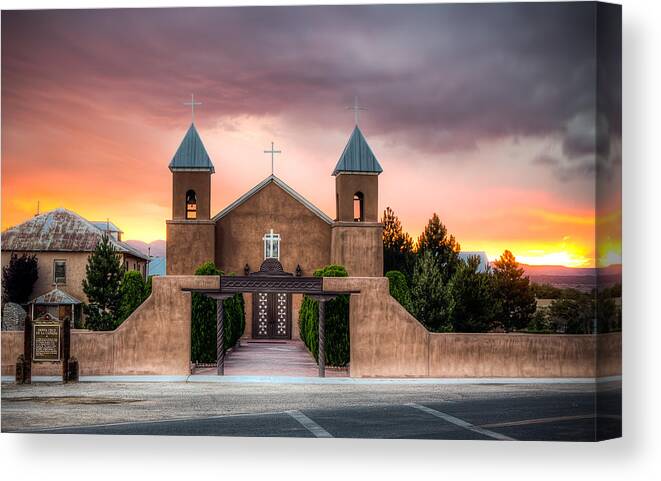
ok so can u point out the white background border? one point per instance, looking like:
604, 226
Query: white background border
636, 456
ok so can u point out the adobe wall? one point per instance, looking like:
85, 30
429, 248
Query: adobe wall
76, 262
386, 341
188, 244
305, 236
184, 181
346, 185
358, 246
154, 340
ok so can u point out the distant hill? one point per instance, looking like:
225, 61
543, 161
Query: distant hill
578, 278
157, 247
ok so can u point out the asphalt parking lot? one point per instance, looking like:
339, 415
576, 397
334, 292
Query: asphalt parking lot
553, 412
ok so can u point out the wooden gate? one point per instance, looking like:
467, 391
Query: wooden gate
271, 317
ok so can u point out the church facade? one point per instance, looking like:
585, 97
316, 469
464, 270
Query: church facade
273, 221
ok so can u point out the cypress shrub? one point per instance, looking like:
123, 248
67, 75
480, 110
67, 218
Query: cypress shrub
203, 322
399, 288
337, 322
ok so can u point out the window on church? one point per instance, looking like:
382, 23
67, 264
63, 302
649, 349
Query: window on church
271, 245
358, 207
191, 205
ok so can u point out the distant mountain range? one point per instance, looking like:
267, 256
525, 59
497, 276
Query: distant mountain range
155, 248
577, 277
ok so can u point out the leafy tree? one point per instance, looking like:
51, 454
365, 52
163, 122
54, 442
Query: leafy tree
399, 289
429, 301
398, 254
472, 307
540, 322
572, 316
444, 247
609, 314
19, 276
514, 294
203, 321
133, 290
104, 273
336, 315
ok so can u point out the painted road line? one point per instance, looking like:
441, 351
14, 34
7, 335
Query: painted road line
555, 419
309, 424
461, 422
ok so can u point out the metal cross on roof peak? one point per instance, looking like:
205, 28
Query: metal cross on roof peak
272, 152
356, 109
192, 104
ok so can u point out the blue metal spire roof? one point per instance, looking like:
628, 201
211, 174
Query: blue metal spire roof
191, 154
357, 156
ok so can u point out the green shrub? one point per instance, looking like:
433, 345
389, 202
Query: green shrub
399, 288
337, 322
203, 322
133, 291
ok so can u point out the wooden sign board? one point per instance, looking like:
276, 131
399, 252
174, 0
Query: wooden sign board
46, 341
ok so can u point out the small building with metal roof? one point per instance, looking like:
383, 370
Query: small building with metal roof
62, 242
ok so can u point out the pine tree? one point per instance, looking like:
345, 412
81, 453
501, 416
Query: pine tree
429, 299
444, 247
18, 278
514, 293
104, 273
472, 304
398, 252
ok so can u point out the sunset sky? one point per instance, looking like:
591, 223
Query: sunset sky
481, 113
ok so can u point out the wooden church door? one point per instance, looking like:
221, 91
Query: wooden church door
271, 315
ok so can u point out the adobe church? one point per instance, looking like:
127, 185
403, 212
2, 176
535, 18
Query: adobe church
272, 222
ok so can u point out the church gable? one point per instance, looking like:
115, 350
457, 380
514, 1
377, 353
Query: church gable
304, 230
273, 180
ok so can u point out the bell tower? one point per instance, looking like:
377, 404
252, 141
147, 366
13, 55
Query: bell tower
356, 234
190, 233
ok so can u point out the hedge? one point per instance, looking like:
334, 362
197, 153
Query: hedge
203, 322
399, 288
337, 322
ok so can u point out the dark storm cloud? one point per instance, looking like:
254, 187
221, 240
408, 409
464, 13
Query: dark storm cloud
436, 78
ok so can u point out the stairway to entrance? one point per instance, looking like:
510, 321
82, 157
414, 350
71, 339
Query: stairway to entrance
271, 358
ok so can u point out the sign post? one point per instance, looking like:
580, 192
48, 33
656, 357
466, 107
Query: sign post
46, 339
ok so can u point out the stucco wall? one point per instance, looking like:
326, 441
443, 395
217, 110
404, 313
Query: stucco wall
305, 236
346, 185
386, 341
154, 340
200, 182
75, 271
76, 262
188, 244
358, 246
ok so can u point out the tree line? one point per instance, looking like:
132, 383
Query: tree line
448, 294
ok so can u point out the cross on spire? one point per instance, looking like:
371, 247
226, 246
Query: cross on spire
192, 104
356, 109
272, 152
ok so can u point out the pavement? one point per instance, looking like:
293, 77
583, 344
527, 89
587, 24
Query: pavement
500, 411
271, 358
